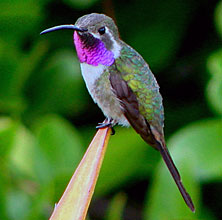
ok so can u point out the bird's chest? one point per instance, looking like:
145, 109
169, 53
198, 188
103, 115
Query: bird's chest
98, 84
97, 80
99, 87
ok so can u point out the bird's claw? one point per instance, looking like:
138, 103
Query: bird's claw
105, 124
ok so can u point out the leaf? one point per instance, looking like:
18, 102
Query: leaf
9, 61
15, 16
7, 136
214, 91
129, 157
60, 148
14, 73
18, 204
23, 152
80, 4
4, 187
59, 88
218, 17
156, 38
116, 207
23, 71
214, 87
16, 169
191, 147
75, 201
214, 63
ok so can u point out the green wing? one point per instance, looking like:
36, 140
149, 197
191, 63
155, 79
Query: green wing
135, 71
138, 92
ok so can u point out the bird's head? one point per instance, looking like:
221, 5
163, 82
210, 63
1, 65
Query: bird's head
96, 39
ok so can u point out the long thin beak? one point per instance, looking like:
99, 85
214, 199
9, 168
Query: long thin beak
66, 26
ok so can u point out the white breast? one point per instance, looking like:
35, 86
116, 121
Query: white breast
90, 75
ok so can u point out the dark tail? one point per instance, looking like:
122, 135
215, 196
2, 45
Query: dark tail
175, 174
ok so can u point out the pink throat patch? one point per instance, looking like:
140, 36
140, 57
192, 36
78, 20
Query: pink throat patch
92, 52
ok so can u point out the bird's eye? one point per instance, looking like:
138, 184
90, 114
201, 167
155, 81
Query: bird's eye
102, 30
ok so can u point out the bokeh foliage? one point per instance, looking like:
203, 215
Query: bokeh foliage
47, 117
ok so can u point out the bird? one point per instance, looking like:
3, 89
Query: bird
121, 83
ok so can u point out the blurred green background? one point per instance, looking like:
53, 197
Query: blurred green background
48, 118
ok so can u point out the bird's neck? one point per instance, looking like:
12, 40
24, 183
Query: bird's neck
92, 51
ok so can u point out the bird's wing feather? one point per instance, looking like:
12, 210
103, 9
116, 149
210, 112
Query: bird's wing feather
142, 106
140, 91
130, 107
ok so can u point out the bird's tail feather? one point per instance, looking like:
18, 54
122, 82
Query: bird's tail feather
175, 174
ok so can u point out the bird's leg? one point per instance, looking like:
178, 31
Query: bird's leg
107, 123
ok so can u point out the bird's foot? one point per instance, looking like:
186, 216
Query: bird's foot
105, 124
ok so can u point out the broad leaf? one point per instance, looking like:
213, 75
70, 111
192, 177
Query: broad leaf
197, 151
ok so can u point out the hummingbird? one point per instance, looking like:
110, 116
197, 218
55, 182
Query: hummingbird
121, 83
